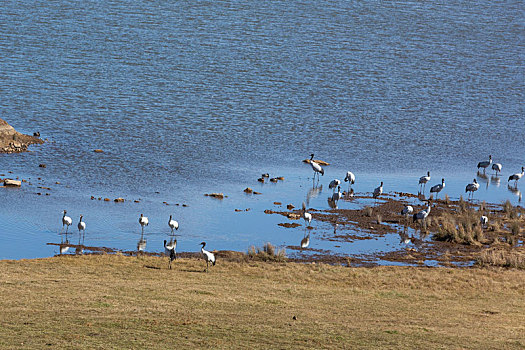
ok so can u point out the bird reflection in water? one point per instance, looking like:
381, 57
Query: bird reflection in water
515, 191
331, 203
141, 245
495, 180
64, 245
313, 193
483, 178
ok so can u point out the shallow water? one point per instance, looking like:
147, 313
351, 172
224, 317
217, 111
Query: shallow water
203, 97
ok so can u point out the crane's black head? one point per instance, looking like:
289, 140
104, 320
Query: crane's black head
442, 180
203, 244
381, 183
428, 173
170, 217
65, 211
164, 242
311, 156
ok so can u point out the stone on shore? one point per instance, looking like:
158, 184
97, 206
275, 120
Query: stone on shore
12, 183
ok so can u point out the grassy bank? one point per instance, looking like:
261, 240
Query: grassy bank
112, 301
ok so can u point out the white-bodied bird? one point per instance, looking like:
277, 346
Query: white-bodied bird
170, 250
307, 217
350, 177
517, 176
484, 221
143, 221
174, 225
316, 167
438, 188
497, 167
407, 211
472, 187
66, 221
208, 256
485, 164
422, 215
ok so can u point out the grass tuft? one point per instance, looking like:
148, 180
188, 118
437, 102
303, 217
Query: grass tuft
503, 258
267, 253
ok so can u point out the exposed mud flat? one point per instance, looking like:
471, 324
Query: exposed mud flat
11, 141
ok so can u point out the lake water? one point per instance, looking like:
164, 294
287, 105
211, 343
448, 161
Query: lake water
194, 97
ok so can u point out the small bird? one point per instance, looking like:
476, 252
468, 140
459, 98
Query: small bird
472, 187
497, 167
307, 217
143, 221
66, 221
333, 184
438, 188
316, 167
378, 191
170, 250
422, 215
174, 225
81, 225
484, 221
517, 176
350, 177
485, 164
208, 256
423, 181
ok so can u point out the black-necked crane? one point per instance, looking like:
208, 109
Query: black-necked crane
438, 188
143, 221
472, 187
208, 256
483, 221
485, 164
174, 225
350, 178
170, 249
517, 176
316, 167
497, 168
307, 217
305, 242
423, 181
336, 196
81, 225
407, 211
422, 215
66, 221
333, 184
378, 191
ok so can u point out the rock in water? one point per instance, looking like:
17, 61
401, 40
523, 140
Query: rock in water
11, 141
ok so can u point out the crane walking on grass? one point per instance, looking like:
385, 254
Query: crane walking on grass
208, 256
170, 250
66, 221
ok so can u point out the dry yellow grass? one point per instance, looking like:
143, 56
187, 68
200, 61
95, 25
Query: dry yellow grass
113, 301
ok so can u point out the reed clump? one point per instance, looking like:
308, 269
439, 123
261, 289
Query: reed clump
502, 257
462, 229
510, 211
368, 211
267, 253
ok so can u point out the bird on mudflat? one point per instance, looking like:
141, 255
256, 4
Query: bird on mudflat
438, 188
472, 187
307, 217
